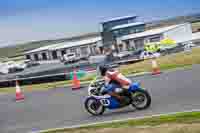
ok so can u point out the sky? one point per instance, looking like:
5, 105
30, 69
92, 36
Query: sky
29, 20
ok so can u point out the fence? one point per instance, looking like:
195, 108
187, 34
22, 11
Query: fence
35, 80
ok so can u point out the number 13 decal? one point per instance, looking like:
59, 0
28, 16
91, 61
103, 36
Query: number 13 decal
105, 102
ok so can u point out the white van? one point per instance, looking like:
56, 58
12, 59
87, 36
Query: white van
70, 57
3, 68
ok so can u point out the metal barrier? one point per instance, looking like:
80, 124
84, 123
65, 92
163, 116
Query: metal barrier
40, 79
35, 80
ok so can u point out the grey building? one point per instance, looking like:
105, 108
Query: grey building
82, 48
117, 27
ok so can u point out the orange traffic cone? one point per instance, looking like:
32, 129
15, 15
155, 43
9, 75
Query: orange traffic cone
19, 95
76, 82
156, 69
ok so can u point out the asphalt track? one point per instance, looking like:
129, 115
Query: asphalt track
171, 92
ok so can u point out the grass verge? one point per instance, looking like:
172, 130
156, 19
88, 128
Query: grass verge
165, 63
181, 59
179, 118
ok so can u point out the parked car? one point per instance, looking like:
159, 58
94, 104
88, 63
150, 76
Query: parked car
3, 68
27, 63
189, 45
30, 63
21, 65
148, 55
71, 57
11, 67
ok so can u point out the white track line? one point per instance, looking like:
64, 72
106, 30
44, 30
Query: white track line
119, 120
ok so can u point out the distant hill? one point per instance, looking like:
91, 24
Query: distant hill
192, 18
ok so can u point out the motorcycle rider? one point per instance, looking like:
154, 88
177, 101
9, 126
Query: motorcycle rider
114, 79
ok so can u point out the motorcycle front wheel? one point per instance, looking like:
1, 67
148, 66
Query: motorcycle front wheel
94, 107
141, 99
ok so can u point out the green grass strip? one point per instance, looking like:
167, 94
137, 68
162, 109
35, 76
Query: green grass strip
186, 117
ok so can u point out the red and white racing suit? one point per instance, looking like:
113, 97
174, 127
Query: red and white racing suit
119, 81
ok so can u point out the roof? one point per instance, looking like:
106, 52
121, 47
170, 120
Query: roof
126, 25
76, 43
65, 45
149, 32
70, 39
118, 18
41, 49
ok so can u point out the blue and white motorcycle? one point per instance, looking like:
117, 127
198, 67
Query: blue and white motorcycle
97, 102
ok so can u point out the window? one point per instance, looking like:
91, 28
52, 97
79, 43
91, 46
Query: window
139, 30
120, 47
44, 56
116, 33
28, 57
54, 55
101, 49
125, 31
106, 26
72, 50
36, 57
131, 20
139, 43
84, 50
128, 46
132, 30
63, 52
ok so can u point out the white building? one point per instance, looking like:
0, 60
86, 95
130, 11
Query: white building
179, 33
82, 48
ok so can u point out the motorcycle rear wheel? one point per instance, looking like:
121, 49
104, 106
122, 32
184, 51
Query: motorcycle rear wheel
141, 99
94, 107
